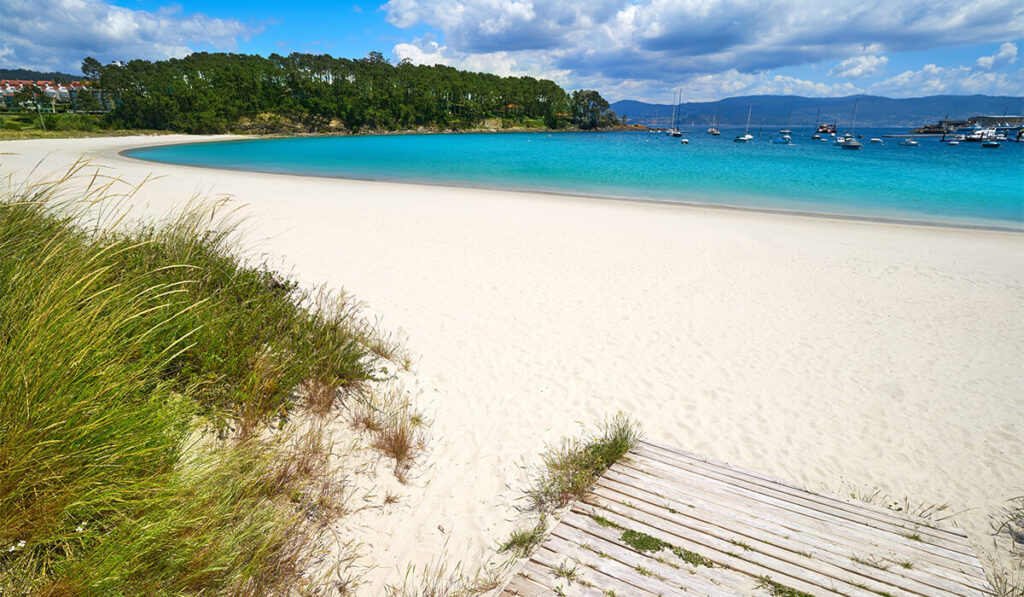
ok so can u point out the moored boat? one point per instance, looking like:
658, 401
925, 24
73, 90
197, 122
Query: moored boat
876, 140
673, 131
850, 139
713, 129
746, 136
991, 144
909, 143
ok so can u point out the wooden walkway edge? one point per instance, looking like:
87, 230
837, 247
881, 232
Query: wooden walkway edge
663, 521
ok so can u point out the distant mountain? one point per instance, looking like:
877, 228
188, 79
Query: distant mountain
777, 110
23, 74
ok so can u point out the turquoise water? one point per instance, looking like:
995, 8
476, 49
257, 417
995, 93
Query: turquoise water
934, 182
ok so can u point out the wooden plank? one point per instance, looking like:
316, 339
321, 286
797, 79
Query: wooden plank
806, 566
571, 540
614, 575
849, 513
726, 515
949, 548
752, 563
582, 528
653, 579
797, 549
860, 513
521, 586
555, 587
966, 564
864, 509
775, 482
750, 525
737, 514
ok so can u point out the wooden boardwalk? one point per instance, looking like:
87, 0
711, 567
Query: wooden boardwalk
665, 522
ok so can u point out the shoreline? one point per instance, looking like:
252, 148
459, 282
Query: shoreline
840, 355
1008, 226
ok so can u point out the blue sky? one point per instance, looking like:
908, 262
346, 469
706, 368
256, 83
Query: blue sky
627, 49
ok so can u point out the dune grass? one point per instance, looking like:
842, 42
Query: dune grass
1006, 563
572, 467
148, 379
567, 472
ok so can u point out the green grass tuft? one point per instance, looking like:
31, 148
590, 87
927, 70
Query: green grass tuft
692, 558
602, 521
522, 542
643, 542
779, 589
569, 573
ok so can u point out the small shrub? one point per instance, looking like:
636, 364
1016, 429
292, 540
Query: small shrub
72, 122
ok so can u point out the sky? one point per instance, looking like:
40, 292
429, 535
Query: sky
626, 49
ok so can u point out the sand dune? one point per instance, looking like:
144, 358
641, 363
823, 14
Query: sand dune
837, 354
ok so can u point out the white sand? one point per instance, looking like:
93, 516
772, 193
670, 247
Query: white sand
832, 353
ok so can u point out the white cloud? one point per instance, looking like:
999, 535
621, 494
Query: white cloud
531, 64
662, 42
954, 80
428, 53
733, 83
58, 34
1007, 54
857, 67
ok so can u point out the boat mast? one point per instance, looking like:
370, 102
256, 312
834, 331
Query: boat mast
746, 131
675, 104
853, 123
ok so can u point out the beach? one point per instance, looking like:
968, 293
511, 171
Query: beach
842, 355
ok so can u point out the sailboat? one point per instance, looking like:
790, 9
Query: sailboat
714, 125
784, 131
851, 142
823, 128
746, 136
674, 131
785, 135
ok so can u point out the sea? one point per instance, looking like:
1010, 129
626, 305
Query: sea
935, 183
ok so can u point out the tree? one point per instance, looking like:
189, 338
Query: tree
92, 68
85, 101
590, 110
27, 94
215, 91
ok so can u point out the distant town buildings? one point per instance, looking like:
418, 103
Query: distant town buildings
56, 92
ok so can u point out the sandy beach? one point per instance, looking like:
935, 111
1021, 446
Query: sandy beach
841, 355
